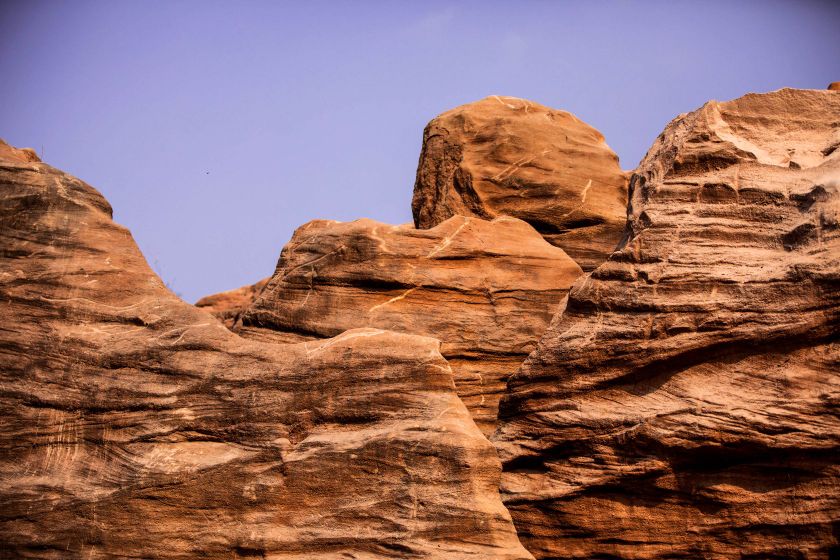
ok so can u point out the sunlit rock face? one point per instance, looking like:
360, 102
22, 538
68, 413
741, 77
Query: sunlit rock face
681, 403
513, 157
134, 424
227, 306
486, 289
684, 405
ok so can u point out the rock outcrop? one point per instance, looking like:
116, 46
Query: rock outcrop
682, 403
21, 155
508, 156
227, 306
486, 290
135, 425
685, 403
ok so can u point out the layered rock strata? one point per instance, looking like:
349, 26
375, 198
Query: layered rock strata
486, 290
509, 156
684, 405
134, 424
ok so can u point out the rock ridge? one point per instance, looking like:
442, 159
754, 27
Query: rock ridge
486, 289
678, 399
134, 423
684, 404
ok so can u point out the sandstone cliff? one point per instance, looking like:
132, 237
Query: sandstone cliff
509, 156
135, 425
486, 290
684, 405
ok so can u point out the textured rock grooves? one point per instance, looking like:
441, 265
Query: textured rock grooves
685, 403
487, 290
134, 424
681, 403
510, 156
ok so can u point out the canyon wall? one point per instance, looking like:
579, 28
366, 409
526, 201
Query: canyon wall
486, 290
679, 328
684, 405
134, 424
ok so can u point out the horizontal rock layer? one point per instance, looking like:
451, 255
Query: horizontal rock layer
486, 290
134, 424
509, 156
684, 405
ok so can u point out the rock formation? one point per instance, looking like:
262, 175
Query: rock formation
135, 425
508, 156
228, 305
683, 402
684, 405
22, 155
486, 290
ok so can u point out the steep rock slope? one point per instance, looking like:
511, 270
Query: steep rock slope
133, 424
486, 290
685, 403
509, 156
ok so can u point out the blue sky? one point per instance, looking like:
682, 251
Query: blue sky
216, 128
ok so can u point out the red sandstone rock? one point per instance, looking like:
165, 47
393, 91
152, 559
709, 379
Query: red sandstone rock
226, 306
509, 156
684, 405
22, 155
486, 290
135, 425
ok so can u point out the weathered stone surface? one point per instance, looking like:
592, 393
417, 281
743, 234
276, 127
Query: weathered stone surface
135, 425
226, 306
22, 155
486, 290
834, 86
685, 403
508, 156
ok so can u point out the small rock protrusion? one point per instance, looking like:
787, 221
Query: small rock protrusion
508, 156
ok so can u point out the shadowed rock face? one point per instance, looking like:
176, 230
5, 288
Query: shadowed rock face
508, 156
685, 403
487, 290
134, 424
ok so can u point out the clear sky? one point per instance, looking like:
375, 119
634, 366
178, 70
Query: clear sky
216, 128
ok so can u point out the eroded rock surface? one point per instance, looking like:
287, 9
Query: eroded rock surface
685, 403
134, 424
509, 156
227, 306
22, 155
487, 290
